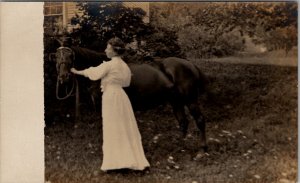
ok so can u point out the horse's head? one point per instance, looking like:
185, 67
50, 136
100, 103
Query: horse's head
64, 62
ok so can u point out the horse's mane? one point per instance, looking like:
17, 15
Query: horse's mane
85, 58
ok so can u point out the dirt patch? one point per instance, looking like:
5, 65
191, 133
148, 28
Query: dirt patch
277, 57
251, 113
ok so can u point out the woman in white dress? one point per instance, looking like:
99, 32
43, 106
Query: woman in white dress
122, 144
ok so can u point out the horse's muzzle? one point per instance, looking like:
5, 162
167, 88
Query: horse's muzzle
64, 78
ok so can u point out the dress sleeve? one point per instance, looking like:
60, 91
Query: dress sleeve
126, 76
96, 73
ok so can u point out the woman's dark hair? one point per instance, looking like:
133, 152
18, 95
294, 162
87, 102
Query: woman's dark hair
117, 44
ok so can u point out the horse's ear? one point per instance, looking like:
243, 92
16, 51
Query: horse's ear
52, 57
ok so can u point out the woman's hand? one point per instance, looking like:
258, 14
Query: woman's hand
73, 70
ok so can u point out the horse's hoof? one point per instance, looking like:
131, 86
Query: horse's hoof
200, 155
184, 135
205, 149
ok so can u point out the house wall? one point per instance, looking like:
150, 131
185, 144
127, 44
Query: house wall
67, 10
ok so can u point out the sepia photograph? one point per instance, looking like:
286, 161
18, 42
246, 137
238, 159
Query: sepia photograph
170, 92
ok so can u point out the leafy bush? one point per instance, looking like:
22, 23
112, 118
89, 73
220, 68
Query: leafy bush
286, 38
204, 44
162, 43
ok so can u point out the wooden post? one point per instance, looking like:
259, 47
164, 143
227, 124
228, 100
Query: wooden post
77, 103
65, 14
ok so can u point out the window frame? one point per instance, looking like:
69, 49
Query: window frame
54, 8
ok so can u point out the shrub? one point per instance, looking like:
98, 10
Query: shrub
197, 42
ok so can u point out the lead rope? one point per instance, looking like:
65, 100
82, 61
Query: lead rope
67, 94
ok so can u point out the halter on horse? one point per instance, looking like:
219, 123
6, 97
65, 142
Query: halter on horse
64, 62
62, 66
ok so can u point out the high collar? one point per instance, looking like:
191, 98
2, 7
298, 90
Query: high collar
116, 58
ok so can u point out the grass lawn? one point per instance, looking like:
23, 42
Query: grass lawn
252, 136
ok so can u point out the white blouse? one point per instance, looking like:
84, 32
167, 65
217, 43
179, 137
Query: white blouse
114, 72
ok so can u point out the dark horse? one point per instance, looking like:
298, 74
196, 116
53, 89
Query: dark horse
172, 80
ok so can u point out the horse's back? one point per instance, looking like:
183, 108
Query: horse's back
186, 77
149, 86
148, 79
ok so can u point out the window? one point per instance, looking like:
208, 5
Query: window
51, 9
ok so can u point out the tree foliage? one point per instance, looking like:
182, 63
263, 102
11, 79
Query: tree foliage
101, 21
218, 24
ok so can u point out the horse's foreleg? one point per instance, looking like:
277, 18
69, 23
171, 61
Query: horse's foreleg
180, 115
200, 122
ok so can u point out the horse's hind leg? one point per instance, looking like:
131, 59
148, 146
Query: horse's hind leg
200, 122
181, 118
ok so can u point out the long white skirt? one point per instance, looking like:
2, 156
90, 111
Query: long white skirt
122, 145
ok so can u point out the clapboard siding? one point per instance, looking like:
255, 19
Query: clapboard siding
70, 10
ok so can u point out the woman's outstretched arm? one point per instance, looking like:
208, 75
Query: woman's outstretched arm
75, 71
93, 73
